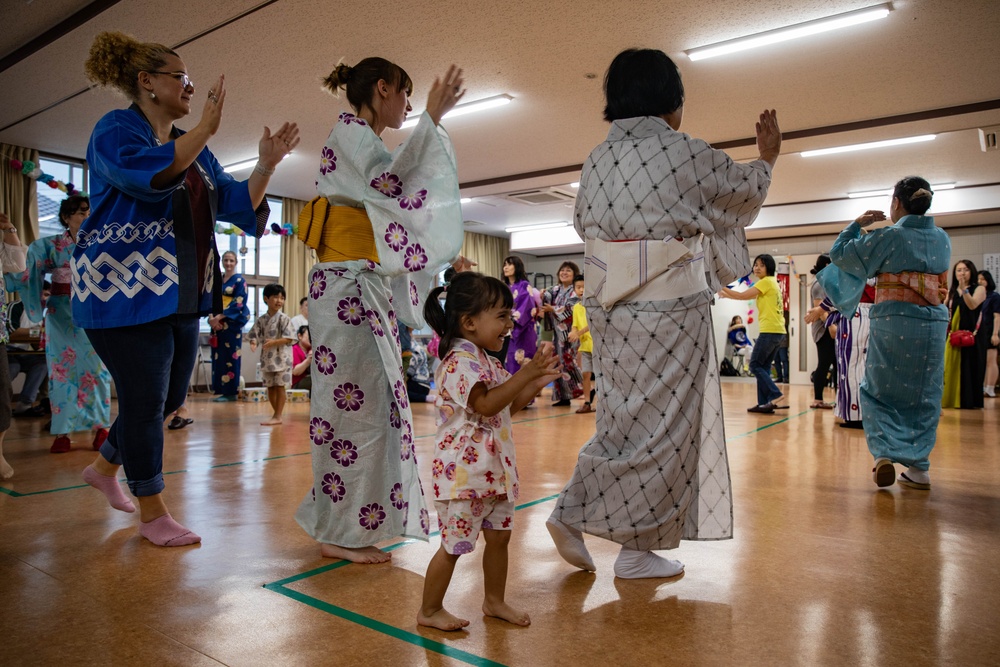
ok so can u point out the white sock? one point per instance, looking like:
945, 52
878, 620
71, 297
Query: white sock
632, 564
569, 544
918, 476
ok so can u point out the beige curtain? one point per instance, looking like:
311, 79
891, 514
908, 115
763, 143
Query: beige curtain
486, 251
296, 259
18, 192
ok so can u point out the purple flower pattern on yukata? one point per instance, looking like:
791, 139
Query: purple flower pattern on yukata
375, 323
396, 237
349, 397
325, 360
317, 285
327, 161
414, 201
343, 452
406, 446
396, 496
425, 521
348, 118
371, 516
388, 184
414, 260
414, 294
393, 325
394, 420
333, 486
399, 391
350, 310
321, 431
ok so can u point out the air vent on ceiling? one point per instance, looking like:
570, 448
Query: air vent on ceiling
540, 197
988, 138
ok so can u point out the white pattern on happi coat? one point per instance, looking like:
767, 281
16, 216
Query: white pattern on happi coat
656, 470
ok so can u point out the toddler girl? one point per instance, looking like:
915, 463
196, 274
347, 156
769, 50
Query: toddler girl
474, 470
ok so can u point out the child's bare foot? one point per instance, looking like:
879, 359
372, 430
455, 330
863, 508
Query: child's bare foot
505, 612
6, 472
442, 620
273, 421
361, 555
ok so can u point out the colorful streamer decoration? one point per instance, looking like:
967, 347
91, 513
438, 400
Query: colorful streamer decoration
286, 229
35, 173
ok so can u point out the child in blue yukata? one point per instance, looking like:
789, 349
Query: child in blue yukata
274, 328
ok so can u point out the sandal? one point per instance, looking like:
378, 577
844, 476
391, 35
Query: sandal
179, 422
822, 405
584, 409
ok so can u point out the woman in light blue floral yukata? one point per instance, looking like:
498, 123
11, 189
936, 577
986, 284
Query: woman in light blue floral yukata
79, 384
394, 221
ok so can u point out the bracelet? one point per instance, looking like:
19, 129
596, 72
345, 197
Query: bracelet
262, 170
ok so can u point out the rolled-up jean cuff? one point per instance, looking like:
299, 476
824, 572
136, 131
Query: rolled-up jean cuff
110, 454
146, 487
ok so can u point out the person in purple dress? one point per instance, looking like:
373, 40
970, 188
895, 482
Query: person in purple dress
524, 335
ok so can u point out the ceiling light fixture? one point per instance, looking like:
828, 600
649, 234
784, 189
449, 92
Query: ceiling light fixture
465, 200
791, 32
462, 109
575, 185
869, 146
46, 218
888, 191
533, 228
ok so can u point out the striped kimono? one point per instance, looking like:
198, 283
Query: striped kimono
656, 470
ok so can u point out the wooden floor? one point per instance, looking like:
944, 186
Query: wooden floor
824, 569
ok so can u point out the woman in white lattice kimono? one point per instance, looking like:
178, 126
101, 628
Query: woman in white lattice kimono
394, 221
663, 216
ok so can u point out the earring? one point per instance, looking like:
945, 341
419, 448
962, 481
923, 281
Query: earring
152, 96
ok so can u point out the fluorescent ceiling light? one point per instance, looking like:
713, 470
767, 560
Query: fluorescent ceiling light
465, 200
575, 185
532, 228
869, 146
461, 109
246, 164
790, 32
46, 218
883, 193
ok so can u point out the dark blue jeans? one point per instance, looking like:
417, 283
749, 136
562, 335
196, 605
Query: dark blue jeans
760, 366
151, 365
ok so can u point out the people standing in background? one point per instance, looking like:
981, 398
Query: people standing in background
25, 330
557, 306
302, 319
826, 353
79, 384
738, 346
989, 332
227, 327
12, 259
302, 360
580, 333
273, 333
523, 340
964, 367
781, 367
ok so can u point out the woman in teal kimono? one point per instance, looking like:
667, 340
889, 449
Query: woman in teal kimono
904, 370
79, 385
228, 329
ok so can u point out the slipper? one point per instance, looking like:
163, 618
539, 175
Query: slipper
822, 405
912, 483
584, 409
780, 407
762, 409
883, 474
179, 422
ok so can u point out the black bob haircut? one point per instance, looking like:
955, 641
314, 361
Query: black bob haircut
642, 82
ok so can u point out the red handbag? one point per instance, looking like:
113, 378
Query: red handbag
962, 338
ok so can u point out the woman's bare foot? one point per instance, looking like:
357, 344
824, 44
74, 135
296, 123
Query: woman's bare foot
442, 620
6, 472
273, 421
505, 612
360, 555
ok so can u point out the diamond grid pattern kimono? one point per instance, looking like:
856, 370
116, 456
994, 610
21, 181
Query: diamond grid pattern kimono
656, 470
365, 483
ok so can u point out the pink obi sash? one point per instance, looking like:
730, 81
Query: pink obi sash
922, 289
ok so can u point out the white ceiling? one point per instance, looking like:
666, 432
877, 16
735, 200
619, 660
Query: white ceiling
928, 55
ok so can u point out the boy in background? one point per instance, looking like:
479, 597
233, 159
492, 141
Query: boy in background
581, 332
274, 328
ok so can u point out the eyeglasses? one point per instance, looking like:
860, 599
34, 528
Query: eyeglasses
180, 76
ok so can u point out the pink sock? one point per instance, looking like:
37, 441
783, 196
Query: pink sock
165, 532
110, 487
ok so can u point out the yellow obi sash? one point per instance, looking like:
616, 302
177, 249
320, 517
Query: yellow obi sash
340, 234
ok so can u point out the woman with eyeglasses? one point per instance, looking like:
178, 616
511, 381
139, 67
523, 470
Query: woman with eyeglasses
146, 267
79, 385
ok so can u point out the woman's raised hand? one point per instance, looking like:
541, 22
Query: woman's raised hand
768, 136
869, 217
274, 147
211, 115
445, 94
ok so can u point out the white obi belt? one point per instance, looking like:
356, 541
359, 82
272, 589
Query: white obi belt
647, 270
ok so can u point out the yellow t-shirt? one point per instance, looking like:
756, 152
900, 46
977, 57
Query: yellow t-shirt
580, 323
772, 320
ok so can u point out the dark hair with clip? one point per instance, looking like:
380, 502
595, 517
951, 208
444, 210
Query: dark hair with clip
469, 293
906, 191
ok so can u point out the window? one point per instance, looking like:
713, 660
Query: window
61, 169
259, 260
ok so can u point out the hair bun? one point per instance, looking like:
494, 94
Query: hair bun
921, 193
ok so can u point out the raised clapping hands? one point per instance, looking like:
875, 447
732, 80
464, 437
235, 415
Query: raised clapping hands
463, 264
768, 136
544, 366
869, 217
445, 94
274, 147
211, 115
813, 315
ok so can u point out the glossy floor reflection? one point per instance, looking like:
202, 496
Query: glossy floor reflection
824, 569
